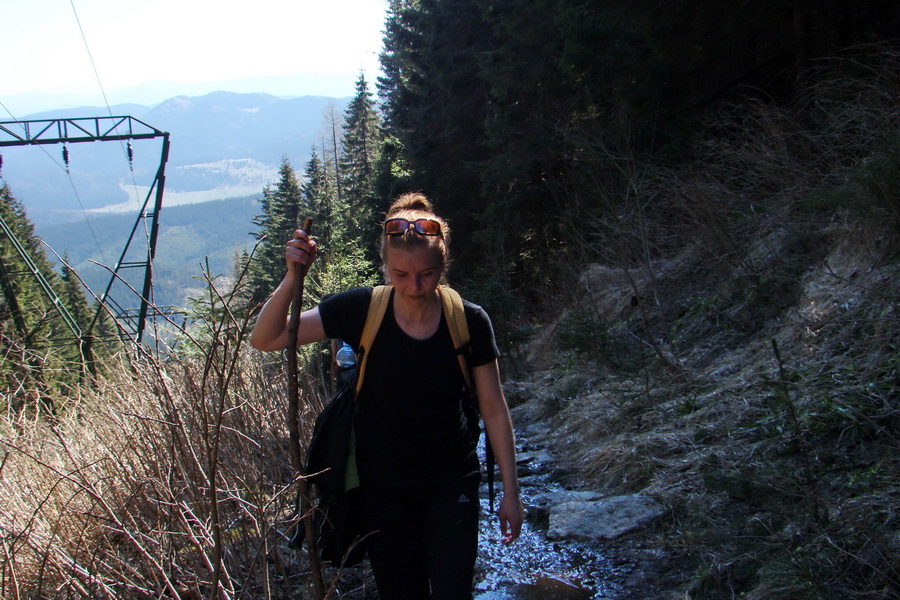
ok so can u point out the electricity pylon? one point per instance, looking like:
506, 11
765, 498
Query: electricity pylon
102, 129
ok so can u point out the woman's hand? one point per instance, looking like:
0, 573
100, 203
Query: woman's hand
300, 250
512, 514
271, 329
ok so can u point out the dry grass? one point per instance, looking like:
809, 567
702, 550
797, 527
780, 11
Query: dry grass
157, 482
165, 478
763, 406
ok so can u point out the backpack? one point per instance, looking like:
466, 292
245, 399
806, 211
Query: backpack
330, 457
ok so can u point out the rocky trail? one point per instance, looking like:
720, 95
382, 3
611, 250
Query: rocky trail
577, 544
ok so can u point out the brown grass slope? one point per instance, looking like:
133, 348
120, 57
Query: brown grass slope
733, 347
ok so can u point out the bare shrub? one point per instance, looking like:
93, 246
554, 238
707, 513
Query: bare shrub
148, 485
166, 478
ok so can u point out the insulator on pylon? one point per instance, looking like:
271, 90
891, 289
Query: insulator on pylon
130, 151
1, 165
65, 153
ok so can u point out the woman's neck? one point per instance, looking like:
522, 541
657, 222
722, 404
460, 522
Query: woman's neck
419, 320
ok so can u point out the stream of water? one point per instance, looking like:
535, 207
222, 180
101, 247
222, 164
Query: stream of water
533, 567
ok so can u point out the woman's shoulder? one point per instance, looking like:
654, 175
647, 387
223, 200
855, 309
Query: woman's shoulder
343, 314
475, 311
353, 295
481, 334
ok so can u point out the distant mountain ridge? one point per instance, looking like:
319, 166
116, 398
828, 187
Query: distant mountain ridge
225, 149
223, 144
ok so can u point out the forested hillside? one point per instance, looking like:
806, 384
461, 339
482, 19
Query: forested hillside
524, 120
684, 223
190, 237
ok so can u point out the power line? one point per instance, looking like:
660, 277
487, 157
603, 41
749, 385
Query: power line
87, 47
74, 189
90, 56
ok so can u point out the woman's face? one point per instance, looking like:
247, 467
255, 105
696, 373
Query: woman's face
414, 272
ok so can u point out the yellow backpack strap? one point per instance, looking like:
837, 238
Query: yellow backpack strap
381, 296
455, 314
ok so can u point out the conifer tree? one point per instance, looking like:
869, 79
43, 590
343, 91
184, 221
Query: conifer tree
35, 340
34, 306
282, 206
435, 101
319, 195
343, 259
359, 155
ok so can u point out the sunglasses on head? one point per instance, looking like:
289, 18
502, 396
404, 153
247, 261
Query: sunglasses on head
420, 226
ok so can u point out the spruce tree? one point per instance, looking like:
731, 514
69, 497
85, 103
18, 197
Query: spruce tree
320, 196
343, 260
35, 340
41, 321
359, 155
435, 102
282, 206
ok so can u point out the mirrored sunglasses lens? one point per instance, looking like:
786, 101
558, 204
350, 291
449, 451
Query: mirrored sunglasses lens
428, 227
395, 226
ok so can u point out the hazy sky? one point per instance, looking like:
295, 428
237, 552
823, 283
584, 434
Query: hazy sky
133, 42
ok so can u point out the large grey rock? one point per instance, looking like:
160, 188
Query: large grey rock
539, 506
604, 519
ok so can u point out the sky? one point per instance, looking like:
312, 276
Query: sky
130, 49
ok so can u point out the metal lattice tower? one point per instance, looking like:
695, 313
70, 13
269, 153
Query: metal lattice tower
102, 129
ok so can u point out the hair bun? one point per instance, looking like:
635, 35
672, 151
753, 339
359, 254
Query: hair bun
411, 202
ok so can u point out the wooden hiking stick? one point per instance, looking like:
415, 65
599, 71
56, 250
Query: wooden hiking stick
293, 422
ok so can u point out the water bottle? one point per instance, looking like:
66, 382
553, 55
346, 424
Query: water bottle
345, 357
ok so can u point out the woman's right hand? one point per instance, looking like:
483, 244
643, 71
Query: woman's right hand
271, 329
300, 250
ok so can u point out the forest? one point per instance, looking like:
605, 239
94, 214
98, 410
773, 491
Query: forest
684, 221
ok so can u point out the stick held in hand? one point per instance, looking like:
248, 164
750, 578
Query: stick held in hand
293, 419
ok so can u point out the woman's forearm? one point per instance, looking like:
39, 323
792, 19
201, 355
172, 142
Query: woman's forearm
270, 331
498, 424
500, 433
495, 414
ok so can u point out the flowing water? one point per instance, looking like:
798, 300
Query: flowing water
535, 568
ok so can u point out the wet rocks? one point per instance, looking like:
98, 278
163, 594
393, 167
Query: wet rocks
603, 519
579, 514
539, 506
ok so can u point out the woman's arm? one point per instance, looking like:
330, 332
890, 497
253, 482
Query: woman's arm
271, 329
495, 414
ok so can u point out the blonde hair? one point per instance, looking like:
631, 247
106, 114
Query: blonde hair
416, 206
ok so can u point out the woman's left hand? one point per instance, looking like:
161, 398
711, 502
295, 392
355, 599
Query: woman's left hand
512, 514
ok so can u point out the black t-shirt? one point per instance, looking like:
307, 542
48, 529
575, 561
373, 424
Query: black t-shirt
411, 425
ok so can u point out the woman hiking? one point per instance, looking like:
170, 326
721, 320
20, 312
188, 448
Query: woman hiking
415, 453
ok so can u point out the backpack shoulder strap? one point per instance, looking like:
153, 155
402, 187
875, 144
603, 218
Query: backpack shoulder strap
455, 314
381, 296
